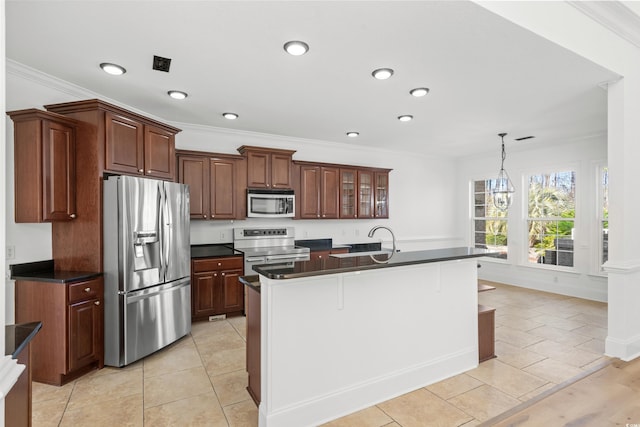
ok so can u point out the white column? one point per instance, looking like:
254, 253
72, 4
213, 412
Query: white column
623, 267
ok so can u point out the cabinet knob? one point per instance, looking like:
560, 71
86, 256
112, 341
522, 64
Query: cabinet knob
215, 274
223, 274
97, 303
317, 215
204, 216
319, 256
219, 264
72, 216
140, 170
149, 171
87, 289
324, 216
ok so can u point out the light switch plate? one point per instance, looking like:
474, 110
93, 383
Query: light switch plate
10, 252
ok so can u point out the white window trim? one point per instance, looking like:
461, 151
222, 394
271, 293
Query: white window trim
472, 218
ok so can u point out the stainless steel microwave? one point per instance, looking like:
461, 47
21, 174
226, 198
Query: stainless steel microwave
271, 203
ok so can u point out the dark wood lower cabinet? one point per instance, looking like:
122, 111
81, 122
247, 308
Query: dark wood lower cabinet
253, 344
486, 333
215, 287
71, 341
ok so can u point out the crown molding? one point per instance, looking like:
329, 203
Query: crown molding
613, 15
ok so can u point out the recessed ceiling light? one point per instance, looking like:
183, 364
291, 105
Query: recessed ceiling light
382, 73
296, 48
113, 69
176, 94
405, 118
419, 91
353, 134
230, 116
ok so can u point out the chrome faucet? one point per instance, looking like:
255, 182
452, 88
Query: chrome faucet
373, 230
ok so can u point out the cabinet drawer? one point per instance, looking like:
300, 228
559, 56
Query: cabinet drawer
211, 264
85, 290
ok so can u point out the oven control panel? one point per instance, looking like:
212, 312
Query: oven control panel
255, 232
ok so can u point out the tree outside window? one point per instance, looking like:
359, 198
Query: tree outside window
490, 223
551, 216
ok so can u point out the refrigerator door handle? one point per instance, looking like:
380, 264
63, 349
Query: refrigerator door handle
162, 213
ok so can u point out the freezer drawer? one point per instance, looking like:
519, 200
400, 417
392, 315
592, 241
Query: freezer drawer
156, 317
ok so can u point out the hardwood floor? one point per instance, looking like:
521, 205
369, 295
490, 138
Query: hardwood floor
607, 397
543, 340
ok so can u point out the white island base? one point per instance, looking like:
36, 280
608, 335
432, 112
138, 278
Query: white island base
337, 343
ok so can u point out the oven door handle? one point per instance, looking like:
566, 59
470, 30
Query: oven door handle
288, 257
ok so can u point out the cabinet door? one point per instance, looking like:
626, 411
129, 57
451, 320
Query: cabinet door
382, 194
203, 288
85, 333
58, 172
194, 171
232, 291
309, 192
223, 189
159, 153
329, 194
124, 145
348, 193
258, 170
280, 171
365, 194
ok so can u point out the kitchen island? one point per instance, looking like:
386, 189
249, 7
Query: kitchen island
340, 334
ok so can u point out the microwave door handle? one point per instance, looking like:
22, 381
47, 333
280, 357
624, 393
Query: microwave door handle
255, 259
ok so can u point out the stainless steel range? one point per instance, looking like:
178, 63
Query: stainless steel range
268, 246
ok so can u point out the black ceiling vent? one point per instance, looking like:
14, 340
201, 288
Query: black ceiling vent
161, 64
523, 138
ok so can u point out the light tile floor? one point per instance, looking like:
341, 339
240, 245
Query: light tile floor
542, 340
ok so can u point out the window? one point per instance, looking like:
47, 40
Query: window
551, 216
490, 224
604, 214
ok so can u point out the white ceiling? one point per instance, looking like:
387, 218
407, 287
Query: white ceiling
485, 74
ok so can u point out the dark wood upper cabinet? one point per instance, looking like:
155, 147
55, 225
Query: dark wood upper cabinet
159, 153
135, 148
365, 194
268, 168
216, 184
348, 193
124, 149
381, 194
319, 197
44, 166
194, 171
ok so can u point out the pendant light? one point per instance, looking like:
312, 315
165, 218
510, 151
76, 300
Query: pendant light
503, 189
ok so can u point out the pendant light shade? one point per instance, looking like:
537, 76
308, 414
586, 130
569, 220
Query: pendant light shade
503, 190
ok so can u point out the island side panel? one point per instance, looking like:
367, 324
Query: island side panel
334, 344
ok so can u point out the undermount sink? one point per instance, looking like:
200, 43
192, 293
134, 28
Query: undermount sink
355, 254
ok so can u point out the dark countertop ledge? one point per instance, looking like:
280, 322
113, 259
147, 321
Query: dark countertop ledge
252, 281
214, 250
333, 265
16, 337
43, 271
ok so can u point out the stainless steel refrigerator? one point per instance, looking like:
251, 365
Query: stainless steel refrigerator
147, 301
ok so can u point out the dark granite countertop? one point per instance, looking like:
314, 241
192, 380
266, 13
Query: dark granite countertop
331, 265
16, 337
43, 271
252, 281
214, 250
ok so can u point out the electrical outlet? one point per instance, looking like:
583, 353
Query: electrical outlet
357, 232
222, 235
11, 252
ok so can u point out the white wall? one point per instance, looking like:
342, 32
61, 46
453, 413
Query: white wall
583, 280
421, 188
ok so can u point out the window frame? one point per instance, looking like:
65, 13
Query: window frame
526, 175
474, 218
597, 265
